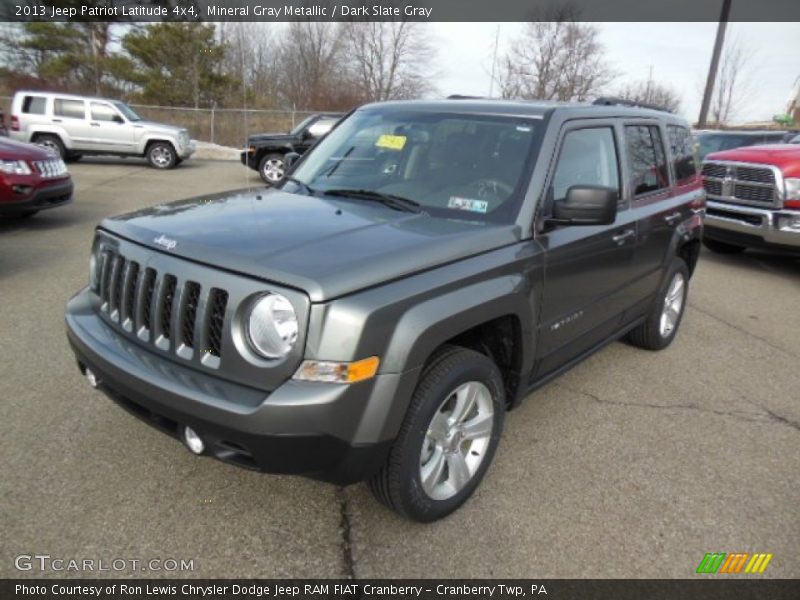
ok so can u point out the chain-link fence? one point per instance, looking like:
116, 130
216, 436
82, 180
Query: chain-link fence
224, 126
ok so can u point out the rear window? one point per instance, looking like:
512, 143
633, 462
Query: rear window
646, 159
73, 109
33, 105
683, 159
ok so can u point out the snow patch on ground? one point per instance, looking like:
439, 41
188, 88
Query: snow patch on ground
209, 151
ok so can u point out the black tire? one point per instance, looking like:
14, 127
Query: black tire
51, 142
650, 335
272, 168
722, 247
398, 484
161, 155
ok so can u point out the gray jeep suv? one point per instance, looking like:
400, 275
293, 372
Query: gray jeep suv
419, 272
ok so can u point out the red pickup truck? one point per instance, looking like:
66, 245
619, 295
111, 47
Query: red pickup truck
31, 179
753, 198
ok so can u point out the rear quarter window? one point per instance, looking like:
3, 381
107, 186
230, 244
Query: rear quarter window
684, 161
34, 105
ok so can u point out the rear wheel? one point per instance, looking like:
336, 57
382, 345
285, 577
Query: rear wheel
272, 168
52, 143
658, 331
722, 247
161, 155
447, 439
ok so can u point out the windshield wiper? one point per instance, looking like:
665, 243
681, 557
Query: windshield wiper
390, 200
307, 188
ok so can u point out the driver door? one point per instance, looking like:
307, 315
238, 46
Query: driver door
588, 269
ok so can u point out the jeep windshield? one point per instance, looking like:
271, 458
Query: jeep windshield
298, 129
451, 165
126, 110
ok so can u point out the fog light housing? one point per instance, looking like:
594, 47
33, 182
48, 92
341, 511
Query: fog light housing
789, 223
193, 441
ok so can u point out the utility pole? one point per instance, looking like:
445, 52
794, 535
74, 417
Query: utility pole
494, 60
714, 66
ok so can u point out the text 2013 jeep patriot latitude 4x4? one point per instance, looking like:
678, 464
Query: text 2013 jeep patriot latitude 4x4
421, 269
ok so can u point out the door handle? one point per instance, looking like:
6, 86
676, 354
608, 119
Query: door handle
56, 120
620, 238
670, 219
95, 124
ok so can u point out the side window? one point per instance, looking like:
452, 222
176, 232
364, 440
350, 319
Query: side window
72, 109
588, 157
646, 157
34, 105
102, 112
683, 158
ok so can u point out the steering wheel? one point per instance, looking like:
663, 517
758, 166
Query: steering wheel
487, 187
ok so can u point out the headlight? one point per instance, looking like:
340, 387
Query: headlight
792, 189
14, 167
272, 326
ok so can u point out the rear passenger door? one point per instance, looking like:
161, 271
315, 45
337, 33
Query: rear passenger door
656, 207
70, 115
588, 269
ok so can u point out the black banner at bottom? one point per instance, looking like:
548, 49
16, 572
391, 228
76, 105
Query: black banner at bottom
710, 588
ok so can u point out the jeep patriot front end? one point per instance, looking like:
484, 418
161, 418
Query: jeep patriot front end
418, 272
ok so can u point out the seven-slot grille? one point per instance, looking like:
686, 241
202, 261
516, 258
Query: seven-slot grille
740, 184
160, 310
53, 167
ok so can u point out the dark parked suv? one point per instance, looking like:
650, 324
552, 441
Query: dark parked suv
421, 270
266, 152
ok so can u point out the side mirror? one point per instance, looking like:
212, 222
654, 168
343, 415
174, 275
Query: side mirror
119, 120
290, 158
586, 205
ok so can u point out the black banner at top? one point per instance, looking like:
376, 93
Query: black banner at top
387, 10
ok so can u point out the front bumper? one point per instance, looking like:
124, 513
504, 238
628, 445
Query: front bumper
249, 159
186, 150
750, 226
293, 429
40, 197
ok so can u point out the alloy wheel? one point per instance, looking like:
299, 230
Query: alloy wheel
457, 440
673, 305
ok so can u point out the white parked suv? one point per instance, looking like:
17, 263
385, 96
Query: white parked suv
76, 125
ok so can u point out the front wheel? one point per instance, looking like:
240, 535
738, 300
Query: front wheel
658, 331
52, 143
448, 438
161, 155
272, 168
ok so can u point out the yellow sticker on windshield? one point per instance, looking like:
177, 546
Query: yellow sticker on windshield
392, 142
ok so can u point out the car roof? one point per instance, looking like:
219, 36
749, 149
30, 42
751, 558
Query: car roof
742, 132
527, 108
64, 95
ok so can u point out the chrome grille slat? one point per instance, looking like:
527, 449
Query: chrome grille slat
163, 308
741, 183
115, 286
127, 307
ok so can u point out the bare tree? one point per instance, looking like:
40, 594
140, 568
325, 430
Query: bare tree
555, 58
253, 56
733, 85
389, 59
651, 92
311, 60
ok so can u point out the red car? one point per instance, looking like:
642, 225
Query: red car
31, 179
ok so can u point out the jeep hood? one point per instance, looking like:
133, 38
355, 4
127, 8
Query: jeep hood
154, 127
327, 247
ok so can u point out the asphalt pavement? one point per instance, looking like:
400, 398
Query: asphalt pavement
633, 464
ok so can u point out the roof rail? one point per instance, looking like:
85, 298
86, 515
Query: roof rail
462, 97
612, 101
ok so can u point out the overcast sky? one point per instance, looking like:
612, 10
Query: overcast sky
678, 53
